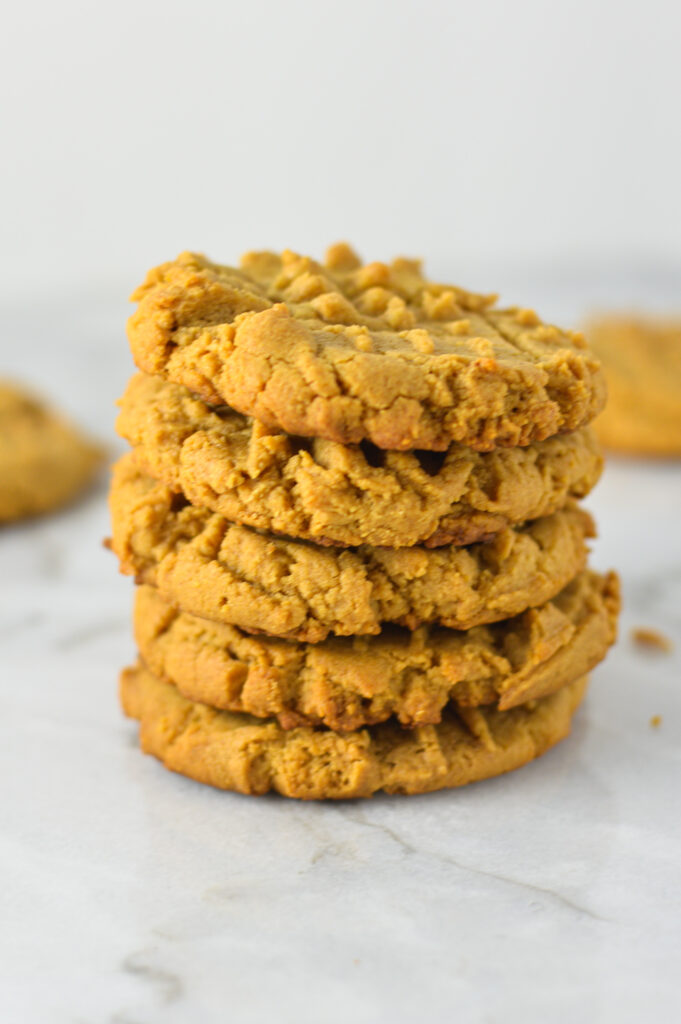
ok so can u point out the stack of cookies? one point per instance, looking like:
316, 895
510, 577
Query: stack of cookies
350, 510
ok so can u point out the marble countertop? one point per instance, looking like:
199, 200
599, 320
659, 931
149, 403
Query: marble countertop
134, 896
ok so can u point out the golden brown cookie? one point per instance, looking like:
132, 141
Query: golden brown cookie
252, 755
642, 362
346, 494
348, 683
208, 566
351, 352
44, 461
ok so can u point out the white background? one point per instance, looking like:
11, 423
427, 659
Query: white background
482, 135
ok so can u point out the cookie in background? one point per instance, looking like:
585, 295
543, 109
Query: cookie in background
45, 461
641, 357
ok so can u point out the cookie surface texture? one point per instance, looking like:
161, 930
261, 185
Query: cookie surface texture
249, 755
353, 352
44, 461
206, 565
348, 683
346, 495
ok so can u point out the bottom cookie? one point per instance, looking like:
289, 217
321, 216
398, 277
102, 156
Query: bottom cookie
249, 755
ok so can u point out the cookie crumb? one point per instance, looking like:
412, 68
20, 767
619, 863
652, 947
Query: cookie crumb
656, 721
651, 639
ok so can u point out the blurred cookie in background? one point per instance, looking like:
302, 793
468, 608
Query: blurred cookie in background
642, 361
45, 461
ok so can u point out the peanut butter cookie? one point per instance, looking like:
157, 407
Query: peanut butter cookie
208, 566
252, 755
351, 352
642, 363
348, 683
347, 495
44, 461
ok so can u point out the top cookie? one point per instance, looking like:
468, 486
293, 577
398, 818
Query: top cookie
642, 362
353, 352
